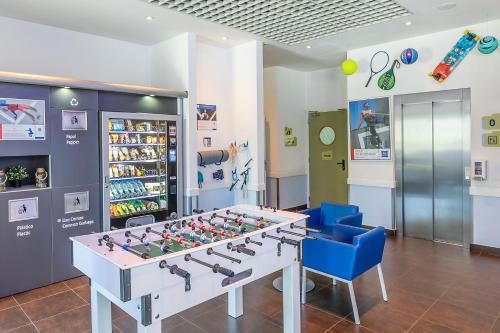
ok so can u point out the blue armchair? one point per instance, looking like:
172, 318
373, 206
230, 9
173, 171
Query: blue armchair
330, 214
344, 255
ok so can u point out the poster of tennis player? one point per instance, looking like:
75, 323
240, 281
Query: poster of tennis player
207, 117
370, 129
22, 119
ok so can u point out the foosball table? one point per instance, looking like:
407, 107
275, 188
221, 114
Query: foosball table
155, 271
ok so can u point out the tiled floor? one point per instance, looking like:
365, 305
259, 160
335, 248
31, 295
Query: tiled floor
432, 288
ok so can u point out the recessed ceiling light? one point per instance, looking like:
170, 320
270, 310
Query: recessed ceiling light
67, 87
152, 95
408, 23
224, 38
308, 46
149, 18
446, 5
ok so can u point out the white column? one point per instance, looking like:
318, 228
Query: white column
101, 311
291, 298
153, 328
235, 302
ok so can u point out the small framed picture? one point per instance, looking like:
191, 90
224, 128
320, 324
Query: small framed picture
76, 202
207, 142
23, 209
74, 120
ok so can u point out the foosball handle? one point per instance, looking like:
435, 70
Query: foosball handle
110, 246
224, 271
244, 250
288, 241
198, 211
248, 240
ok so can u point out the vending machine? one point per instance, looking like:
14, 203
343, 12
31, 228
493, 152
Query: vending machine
141, 166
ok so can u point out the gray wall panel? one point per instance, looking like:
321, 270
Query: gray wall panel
25, 246
66, 225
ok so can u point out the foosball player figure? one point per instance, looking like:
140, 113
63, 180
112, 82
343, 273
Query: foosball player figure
145, 242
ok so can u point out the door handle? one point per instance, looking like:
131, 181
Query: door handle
342, 163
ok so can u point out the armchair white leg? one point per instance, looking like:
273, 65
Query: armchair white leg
354, 304
334, 281
382, 283
304, 286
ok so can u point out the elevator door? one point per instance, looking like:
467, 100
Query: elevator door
433, 158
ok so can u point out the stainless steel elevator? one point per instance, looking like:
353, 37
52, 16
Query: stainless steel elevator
432, 137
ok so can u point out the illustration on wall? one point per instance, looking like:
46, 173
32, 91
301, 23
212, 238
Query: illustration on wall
74, 120
378, 63
409, 56
453, 58
387, 80
349, 67
370, 129
22, 119
207, 117
23, 209
290, 139
487, 45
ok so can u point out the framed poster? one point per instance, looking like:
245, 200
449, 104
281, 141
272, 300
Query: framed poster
370, 129
76, 202
206, 117
23, 209
74, 120
22, 119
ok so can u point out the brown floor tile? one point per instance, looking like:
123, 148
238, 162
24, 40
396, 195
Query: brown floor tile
185, 327
25, 329
83, 292
38, 293
424, 326
496, 327
201, 309
473, 300
422, 284
383, 318
7, 302
75, 321
312, 319
408, 302
12, 318
459, 318
346, 326
52, 305
77, 282
126, 324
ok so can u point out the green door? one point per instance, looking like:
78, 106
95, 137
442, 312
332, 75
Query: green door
328, 157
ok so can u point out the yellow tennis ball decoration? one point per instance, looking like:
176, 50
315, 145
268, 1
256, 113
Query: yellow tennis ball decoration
349, 67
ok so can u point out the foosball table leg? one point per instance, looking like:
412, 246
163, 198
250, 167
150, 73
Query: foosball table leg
235, 302
153, 328
291, 298
101, 311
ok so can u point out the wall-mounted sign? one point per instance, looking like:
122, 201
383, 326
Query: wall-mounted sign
370, 129
23, 209
491, 139
491, 122
327, 155
22, 119
207, 117
290, 139
74, 120
76, 202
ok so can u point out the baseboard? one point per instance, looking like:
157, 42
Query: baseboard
389, 232
485, 249
296, 209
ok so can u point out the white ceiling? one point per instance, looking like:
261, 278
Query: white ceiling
125, 20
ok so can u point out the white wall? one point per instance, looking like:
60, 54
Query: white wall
284, 105
40, 49
477, 72
326, 90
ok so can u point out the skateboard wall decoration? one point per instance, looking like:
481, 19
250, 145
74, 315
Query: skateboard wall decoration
453, 58
387, 80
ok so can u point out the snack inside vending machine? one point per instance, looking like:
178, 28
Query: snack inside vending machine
141, 163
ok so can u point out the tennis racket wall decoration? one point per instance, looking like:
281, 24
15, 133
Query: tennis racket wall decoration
387, 80
378, 63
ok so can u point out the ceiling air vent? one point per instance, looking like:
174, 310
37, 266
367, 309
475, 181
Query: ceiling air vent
287, 21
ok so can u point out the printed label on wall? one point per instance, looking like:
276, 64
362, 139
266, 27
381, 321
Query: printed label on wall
23, 209
74, 120
491, 139
22, 119
76, 202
